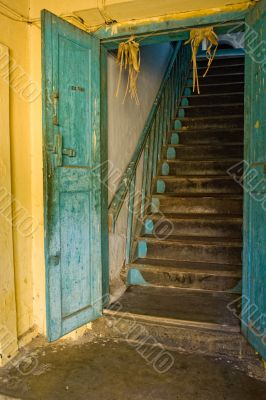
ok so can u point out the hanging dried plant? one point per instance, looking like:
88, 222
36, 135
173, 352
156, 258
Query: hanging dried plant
197, 35
128, 57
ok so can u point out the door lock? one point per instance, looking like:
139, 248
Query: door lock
57, 149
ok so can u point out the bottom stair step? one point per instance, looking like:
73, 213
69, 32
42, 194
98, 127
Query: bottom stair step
178, 306
170, 319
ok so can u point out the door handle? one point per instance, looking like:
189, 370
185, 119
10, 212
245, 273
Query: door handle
59, 151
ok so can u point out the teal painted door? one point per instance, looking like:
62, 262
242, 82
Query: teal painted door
254, 286
71, 127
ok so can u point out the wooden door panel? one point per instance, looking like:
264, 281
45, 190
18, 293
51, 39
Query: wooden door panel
71, 71
254, 274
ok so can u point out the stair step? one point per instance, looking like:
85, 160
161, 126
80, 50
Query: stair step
201, 152
222, 69
195, 168
208, 137
177, 307
221, 62
197, 184
219, 88
186, 275
220, 78
200, 204
211, 110
212, 268
191, 249
210, 122
214, 98
193, 225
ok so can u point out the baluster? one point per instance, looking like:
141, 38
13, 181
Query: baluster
130, 220
155, 144
177, 81
166, 117
173, 93
166, 111
162, 132
144, 180
150, 162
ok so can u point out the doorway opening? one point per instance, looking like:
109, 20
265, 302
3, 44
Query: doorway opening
169, 143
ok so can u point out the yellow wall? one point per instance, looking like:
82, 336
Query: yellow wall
8, 323
15, 36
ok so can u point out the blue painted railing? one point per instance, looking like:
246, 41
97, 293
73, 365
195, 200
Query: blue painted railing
149, 148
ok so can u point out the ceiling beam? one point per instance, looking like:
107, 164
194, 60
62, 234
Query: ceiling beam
173, 28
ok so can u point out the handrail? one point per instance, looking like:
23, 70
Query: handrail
152, 138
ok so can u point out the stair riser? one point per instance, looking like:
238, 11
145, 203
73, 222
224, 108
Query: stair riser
194, 252
196, 99
219, 138
211, 111
217, 123
226, 88
190, 280
199, 228
232, 69
185, 339
201, 206
194, 153
199, 168
204, 185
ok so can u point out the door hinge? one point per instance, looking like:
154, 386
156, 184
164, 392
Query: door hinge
54, 260
57, 149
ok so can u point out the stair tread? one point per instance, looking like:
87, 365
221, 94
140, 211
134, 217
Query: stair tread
220, 74
212, 105
199, 195
205, 145
210, 117
218, 84
224, 65
199, 217
215, 94
179, 304
192, 240
219, 161
204, 130
186, 266
195, 177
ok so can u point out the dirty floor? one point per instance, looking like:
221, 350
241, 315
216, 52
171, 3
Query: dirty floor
111, 370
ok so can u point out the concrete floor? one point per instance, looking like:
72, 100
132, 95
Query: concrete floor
110, 370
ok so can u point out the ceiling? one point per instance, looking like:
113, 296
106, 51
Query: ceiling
126, 10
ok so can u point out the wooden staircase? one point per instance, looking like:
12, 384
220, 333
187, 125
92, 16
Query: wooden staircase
187, 262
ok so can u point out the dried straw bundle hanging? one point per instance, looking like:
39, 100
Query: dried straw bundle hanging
129, 57
197, 35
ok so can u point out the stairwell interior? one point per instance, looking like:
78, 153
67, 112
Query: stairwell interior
191, 273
